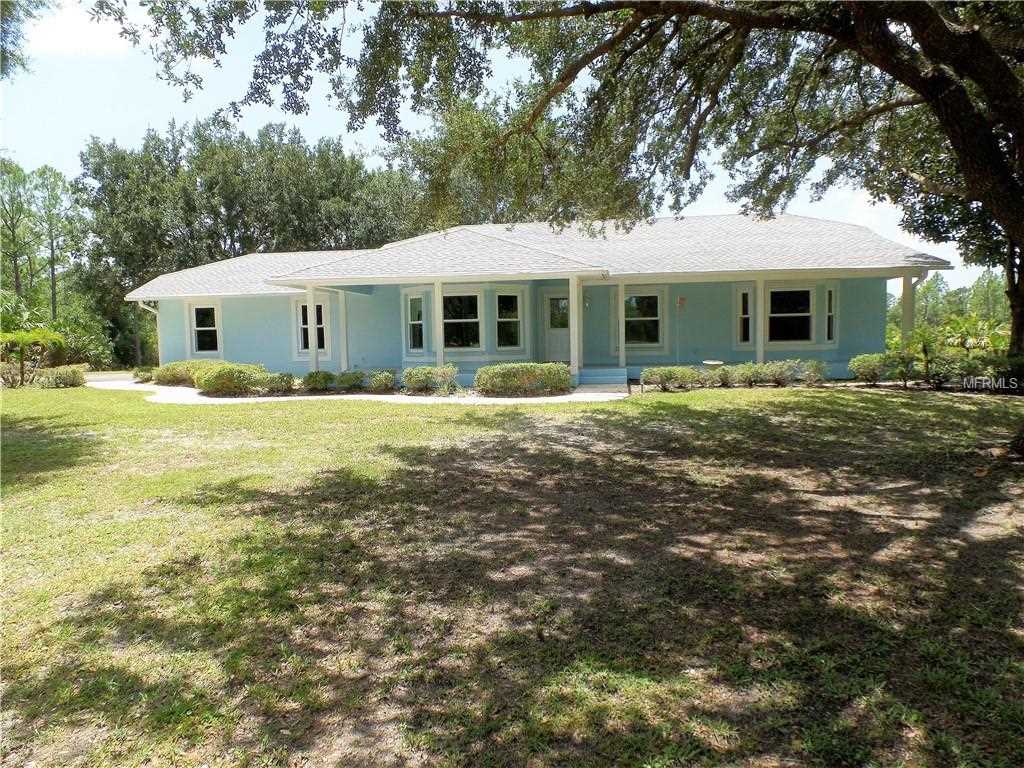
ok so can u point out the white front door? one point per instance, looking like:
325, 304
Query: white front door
556, 328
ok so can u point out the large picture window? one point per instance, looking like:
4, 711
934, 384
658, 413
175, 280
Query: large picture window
415, 323
461, 315
789, 315
509, 321
643, 319
204, 329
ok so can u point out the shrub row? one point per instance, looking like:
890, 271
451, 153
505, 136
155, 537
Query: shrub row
431, 379
522, 379
936, 369
61, 376
349, 381
780, 373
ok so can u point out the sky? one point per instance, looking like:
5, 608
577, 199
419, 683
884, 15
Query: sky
85, 80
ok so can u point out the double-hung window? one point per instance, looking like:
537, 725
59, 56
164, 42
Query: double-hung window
789, 315
830, 315
743, 327
205, 337
414, 332
321, 330
509, 320
461, 315
643, 319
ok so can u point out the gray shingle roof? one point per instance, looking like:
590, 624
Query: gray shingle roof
694, 244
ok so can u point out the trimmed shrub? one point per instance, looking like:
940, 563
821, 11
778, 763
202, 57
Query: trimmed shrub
522, 379
350, 380
279, 383
231, 379
726, 375
868, 368
814, 373
143, 374
943, 367
902, 366
181, 373
60, 377
662, 376
318, 381
781, 373
750, 374
428, 378
381, 381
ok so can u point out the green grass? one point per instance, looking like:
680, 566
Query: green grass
725, 577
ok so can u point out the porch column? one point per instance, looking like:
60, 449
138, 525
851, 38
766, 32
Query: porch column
622, 324
762, 319
438, 333
574, 327
314, 354
343, 331
907, 305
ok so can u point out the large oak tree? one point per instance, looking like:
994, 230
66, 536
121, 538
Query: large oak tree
629, 104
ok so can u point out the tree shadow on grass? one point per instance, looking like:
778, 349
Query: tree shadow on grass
38, 445
658, 584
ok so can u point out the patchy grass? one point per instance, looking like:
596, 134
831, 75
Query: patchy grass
724, 577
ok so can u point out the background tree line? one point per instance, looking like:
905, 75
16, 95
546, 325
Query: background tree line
187, 196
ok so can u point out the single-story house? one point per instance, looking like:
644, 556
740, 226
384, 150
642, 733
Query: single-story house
669, 291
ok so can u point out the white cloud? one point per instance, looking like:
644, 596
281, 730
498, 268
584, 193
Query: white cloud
68, 32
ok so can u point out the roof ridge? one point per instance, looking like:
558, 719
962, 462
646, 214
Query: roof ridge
542, 250
351, 254
427, 235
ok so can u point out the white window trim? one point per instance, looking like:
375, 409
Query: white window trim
323, 355
767, 314
190, 324
661, 291
520, 318
457, 290
833, 287
737, 308
407, 321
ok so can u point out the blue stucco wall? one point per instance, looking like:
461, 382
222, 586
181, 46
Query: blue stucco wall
698, 324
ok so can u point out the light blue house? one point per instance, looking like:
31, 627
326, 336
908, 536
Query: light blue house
670, 291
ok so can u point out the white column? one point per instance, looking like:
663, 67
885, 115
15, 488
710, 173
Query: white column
574, 326
907, 305
438, 323
314, 353
622, 324
342, 331
762, 320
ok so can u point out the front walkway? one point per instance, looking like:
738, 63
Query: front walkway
190, 396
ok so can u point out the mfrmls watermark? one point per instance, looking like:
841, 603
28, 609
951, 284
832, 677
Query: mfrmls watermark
999, 383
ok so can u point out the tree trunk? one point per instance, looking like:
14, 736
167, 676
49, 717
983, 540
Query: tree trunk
1015, 293
53, 281
16, 273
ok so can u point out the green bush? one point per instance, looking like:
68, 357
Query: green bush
350, 380
750, 374
381, 381
781, 373
726, 376
901, 365
279, 383
706, 377
143, 373
814, 373
428, 378
522, 379
943, 367
671, 376
60, 377
868, 368
318, 381
182, 373
231, 379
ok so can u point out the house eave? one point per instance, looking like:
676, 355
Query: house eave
293, 281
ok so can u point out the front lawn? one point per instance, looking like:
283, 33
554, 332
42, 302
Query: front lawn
722, 577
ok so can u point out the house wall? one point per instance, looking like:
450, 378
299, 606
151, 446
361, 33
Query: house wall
698, 323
